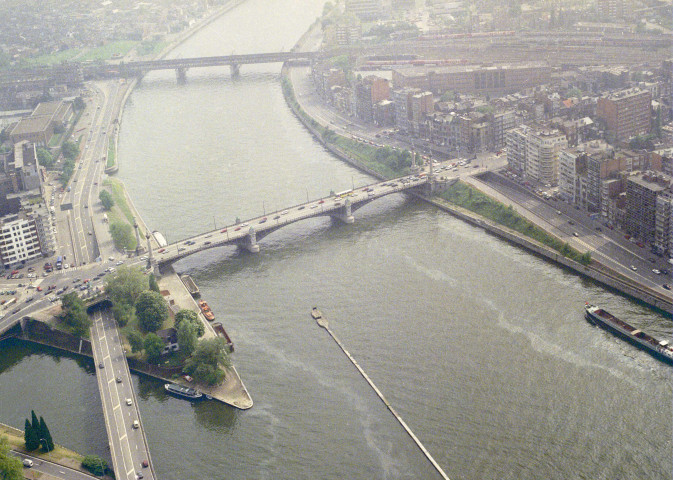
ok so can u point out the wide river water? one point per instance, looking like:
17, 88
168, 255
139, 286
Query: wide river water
481, 347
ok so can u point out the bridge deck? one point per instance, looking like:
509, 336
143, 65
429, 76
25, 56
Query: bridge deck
238, 233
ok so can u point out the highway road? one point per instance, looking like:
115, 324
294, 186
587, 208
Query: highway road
580, 231
126, 433
53, 470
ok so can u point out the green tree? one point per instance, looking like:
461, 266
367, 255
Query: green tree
136, 341
106, 199
126, 285
74, 314
123, 313
66, 173
192, 317
187, 338
10, 466
30, 437
45, 436
154, 286
585, 259
44, 157
208, 360
153, 347
70, 150
95, 465
151, 310
78, 103
122, 235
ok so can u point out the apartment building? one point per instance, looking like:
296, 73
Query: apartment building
626, 113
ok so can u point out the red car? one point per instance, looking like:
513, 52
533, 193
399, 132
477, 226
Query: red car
224, 230
161, 250
237, 229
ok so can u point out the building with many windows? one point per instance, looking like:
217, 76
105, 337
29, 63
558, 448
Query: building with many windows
533, 152
478, 79
642, 190
663, 224
626, 113
365, 9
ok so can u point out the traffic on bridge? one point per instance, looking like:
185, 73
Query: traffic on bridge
245, 234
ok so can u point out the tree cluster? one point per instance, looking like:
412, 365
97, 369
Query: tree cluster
74, 314
95, 465
36, 434
69, 150
10, 466
189, 329
106, 199
122, 235
151, 310
208, 360
45, 158
395, 159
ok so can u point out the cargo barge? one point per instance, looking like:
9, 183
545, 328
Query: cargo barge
221, 332
184, 392
660, 349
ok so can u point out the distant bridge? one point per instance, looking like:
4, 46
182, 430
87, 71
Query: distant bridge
181, 65
247, 233
73, 73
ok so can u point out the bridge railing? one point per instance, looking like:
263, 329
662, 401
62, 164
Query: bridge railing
281, 221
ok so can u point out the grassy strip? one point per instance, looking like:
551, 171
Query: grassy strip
385, 161
472, 199
111, 153
104, 52
120, 217
117, 190
59, 454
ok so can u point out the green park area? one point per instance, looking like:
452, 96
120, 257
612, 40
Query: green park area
119, 214
471, 199
109, 51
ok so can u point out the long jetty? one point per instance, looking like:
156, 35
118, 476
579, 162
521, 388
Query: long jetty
322, 321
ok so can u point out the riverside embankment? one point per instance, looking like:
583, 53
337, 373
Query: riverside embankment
232, 391
595, 270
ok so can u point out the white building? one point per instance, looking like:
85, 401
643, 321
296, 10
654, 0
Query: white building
19, 240
533, 152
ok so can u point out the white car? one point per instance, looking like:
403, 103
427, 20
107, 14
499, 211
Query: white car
129, 402
66, 266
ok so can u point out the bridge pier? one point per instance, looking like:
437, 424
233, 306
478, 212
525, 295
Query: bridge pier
235, 69
345, 213
181, 74
249, 242
139, 245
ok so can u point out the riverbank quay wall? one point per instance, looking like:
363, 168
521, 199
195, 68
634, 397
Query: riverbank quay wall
40, 333
595, 271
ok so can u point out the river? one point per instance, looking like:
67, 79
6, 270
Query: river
481, 347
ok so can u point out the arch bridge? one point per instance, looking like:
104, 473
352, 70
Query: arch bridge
340, 206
